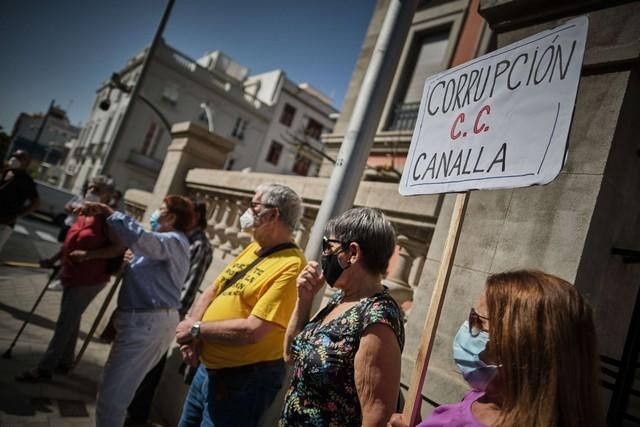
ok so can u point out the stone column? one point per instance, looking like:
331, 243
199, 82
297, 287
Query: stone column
416, 269
302, 232
214, 208
192, 146
231, 232
397, 281
219, 227
418, 249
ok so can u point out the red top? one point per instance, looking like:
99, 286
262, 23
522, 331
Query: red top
87, 233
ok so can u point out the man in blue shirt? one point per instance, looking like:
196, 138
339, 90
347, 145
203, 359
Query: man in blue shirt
148, 302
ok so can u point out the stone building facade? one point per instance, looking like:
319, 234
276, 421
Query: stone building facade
177, 87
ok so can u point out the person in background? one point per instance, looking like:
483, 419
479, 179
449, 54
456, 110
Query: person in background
116, 200
528, 352
237, 325
201, 255
148, 302
18, 193
84, 253
74, 203
347, 358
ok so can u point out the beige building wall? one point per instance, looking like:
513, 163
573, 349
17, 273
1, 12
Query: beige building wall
568, 227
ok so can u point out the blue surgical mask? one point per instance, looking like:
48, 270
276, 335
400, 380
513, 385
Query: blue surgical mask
466, 353
153, 220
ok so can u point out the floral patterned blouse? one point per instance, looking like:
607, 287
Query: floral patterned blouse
323, 390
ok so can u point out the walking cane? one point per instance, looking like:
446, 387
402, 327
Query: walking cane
7, 354
101, 312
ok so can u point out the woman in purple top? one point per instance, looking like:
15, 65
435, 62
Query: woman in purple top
528, 351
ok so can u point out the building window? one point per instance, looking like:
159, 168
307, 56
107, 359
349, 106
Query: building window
301, 165
171, 93
426, 59
274, 153
288, 112
313, 129
149, 139
156, 142
239, 128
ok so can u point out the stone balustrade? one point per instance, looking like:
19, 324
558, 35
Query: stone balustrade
228, 194
136, 202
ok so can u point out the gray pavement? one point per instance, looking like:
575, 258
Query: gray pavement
65, 400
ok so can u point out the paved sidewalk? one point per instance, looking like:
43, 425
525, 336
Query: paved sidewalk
65, 400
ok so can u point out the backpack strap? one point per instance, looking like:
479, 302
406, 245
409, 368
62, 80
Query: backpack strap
262, 255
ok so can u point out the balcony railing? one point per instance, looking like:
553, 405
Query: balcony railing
404, 116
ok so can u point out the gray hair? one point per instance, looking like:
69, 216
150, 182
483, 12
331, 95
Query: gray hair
285, 199
103, 181
371, 229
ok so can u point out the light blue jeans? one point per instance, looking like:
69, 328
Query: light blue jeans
237, 397
142, 339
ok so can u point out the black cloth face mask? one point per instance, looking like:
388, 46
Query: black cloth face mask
331, 268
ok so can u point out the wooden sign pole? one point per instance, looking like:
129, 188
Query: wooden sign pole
412, 405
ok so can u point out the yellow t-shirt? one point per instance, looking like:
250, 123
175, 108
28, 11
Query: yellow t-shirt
267, 291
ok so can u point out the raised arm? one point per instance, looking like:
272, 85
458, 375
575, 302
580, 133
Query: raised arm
377, 374
309, 282
142, 242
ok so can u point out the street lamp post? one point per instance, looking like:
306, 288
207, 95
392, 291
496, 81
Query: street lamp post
136, 88
116, 83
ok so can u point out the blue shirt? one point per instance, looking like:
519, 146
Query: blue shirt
158, 269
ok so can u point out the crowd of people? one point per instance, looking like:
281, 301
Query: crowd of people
527, 349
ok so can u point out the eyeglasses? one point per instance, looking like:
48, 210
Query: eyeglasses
326, 244
254, 205
475, 323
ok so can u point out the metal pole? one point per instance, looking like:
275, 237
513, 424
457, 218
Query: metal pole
138, 85
100, 315
352, 158
164, 120
8, 354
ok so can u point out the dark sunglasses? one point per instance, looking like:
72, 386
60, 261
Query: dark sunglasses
326, 243
475, 323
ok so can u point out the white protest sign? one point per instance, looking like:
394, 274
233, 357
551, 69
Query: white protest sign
499, 121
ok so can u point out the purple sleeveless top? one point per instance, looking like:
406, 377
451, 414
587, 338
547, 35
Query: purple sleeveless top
455, 414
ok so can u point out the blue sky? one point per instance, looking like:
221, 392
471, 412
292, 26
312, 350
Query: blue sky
63, 49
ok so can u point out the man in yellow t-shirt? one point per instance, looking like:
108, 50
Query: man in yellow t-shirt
236, 328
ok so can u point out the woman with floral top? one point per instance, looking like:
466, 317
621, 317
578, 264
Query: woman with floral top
347, 358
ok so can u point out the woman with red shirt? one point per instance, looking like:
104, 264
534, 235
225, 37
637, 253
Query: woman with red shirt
86, 249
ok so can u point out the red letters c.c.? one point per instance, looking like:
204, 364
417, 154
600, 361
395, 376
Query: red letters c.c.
455, 135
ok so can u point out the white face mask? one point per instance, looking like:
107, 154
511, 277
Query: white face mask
14, 163
247, 220
91, 197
